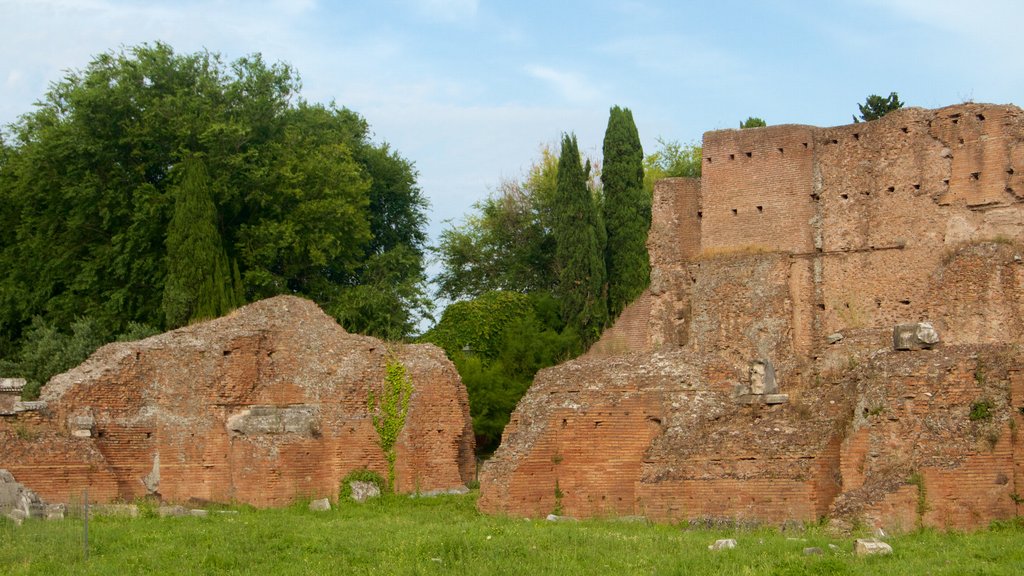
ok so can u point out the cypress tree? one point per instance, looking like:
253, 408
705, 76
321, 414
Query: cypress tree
579, 259
198, 283
627, 211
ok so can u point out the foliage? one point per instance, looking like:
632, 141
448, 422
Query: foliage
498, 341
304, 203
753, 122
874, 107
447, 535
627, 211
388, 410
579, 249
48, 351
981, 410
507, 243
360, 475
671, 160
199, 282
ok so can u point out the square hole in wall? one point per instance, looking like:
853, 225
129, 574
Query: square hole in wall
891, 189
904, 129
856, 136
844, 196
700, 214
1009, 171
735, 211
732, 156
760, 208
805, 144
975, 175
981, 117
749, 154
781, 151
917, 186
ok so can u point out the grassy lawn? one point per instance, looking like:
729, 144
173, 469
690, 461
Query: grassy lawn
446, 535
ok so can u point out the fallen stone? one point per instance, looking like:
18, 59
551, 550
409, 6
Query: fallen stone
199, 513
813, 551
776, 398
17, 516
431, 493
363, 491
557, 518
870, 546
320, 505
118, 510
172, 511
56, 511
723, 544
834, 337
916, 336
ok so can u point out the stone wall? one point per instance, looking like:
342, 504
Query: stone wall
803, 247
263, 406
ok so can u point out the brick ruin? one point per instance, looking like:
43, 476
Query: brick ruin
756, 379
263, 406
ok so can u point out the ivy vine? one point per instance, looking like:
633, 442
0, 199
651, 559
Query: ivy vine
389, 409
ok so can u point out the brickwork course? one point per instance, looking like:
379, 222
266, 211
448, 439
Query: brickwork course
804, 247
263, 406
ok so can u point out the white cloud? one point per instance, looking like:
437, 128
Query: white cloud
572, 86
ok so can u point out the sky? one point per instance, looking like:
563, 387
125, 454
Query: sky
469, 90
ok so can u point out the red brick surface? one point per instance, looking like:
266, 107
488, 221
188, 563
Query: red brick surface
165, 405
792, 234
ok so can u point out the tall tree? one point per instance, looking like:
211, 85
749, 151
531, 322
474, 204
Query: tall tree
627, 211
874, 107
305, 203
199, 278
506, 242
581, 271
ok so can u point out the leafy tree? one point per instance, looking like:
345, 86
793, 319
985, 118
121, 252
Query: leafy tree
753, 122
498, 341
579, 255
627, 211
304, 203
874, 107
199, 280
507, 244
671, 160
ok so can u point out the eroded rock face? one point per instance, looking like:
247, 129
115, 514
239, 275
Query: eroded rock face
756, 379
262, 406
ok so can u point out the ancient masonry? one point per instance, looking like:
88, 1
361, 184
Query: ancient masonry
757, 377
263, 406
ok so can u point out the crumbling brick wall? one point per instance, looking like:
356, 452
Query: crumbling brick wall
262, 406
803, 246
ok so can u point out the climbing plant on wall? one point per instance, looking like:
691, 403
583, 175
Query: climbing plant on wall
389, 409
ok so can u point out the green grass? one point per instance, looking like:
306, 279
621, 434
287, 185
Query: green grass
446, 535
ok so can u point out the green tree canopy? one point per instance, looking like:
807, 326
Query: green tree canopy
579, 247
506, 243
753, 122
304, 202
874, 107
627, 211
199, 282
671, 160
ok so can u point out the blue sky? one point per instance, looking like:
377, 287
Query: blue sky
470, 89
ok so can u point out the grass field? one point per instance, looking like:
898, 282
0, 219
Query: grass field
446, 535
